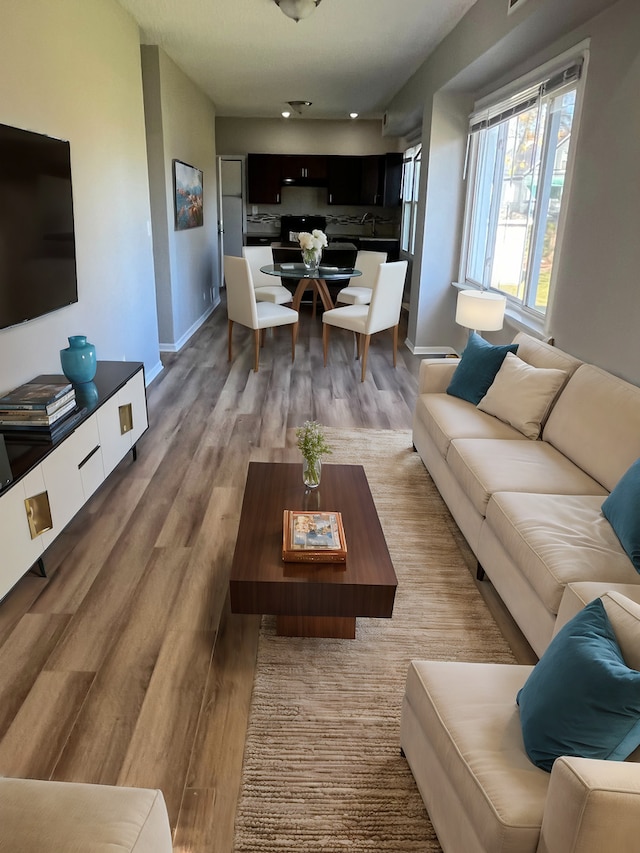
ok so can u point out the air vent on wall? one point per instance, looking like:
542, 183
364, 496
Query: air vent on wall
512, 5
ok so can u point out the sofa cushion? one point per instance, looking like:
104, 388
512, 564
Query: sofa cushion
522, 395
468, 713
621, 511
485, 466
447, 417
581, 698
556, 540
541, 354
39, 816
478, 366
595, 422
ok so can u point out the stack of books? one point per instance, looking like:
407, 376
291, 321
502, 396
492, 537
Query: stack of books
44, 408
313, 537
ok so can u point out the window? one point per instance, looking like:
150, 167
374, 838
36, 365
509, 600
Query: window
410, 187
516, 169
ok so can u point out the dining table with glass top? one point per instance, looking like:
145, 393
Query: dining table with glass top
311, 279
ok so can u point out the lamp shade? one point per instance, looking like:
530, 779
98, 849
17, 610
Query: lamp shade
481, 310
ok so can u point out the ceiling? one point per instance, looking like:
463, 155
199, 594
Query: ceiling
250, 59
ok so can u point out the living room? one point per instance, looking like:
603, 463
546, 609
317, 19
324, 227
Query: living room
73, 70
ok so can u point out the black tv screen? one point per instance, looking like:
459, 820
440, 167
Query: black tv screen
37, 243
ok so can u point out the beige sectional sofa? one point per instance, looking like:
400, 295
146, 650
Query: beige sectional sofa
530, 509
461, 734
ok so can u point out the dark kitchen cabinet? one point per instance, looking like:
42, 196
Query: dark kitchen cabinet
304, 169
264, 178
381, 180
345, 180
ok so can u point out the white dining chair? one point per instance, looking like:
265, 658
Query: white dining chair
267, 290
358, 291
243, 308
365, 320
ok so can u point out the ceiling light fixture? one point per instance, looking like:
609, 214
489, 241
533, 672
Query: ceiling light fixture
286, 114
353, 115
297, 9
299, 106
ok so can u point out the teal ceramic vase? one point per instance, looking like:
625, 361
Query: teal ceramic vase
78, 360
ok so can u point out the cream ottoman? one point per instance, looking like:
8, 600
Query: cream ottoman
70, 817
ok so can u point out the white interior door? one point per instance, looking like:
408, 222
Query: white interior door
232, 207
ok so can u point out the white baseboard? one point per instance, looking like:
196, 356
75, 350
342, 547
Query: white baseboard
436, 352
177, 346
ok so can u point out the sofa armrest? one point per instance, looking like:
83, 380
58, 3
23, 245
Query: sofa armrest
435, 374
591, 806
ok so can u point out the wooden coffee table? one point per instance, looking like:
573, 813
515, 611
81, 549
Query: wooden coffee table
310, 600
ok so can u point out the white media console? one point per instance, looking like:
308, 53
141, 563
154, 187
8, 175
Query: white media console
51, 482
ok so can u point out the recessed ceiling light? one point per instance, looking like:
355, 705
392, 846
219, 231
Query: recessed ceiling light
353, 115
286, 114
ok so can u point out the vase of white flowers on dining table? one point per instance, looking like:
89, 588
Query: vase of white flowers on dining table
312, 245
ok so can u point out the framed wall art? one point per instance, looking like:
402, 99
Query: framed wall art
187, 196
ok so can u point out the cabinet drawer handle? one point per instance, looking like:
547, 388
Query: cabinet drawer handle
38, 514
126, 418
88, 456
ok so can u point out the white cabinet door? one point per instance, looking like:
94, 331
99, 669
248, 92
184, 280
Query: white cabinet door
121, 421
90, 457
19, 550
71, 474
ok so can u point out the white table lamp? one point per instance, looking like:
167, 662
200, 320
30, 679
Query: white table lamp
480, 310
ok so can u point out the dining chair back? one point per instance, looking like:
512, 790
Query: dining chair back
242, 307
358, 291
266, 286
386, 297
365, 320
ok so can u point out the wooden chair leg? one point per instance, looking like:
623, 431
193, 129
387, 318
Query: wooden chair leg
294, 338
358, 343
365, 353
256, 347
395, 345
325, 341
229, 328
263, 334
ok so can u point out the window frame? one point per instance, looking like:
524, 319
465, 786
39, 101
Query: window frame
492, 106
412, 156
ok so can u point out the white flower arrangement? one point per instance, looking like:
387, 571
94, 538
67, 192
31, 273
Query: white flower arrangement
315, 241
312, 246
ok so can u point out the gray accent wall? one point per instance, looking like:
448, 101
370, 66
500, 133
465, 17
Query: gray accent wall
180, 122
597, 298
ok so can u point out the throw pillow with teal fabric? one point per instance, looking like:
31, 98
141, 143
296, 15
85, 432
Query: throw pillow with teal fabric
621, 511
478, 366
581, 698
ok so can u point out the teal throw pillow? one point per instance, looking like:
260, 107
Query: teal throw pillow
477, 369
581, 698
622, 511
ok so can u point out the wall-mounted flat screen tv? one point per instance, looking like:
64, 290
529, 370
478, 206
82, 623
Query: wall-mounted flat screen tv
37, 243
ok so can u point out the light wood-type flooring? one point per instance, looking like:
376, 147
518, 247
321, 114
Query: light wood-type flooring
125, 666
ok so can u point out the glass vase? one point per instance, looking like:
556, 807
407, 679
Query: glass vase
311, 471
78, 360
311, 258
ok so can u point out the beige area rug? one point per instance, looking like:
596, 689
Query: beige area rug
322, 767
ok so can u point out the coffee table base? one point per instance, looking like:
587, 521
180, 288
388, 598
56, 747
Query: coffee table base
336, 627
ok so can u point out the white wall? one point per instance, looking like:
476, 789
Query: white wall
71, 69
180, 125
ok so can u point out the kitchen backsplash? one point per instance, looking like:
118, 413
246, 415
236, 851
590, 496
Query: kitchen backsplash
304, 201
